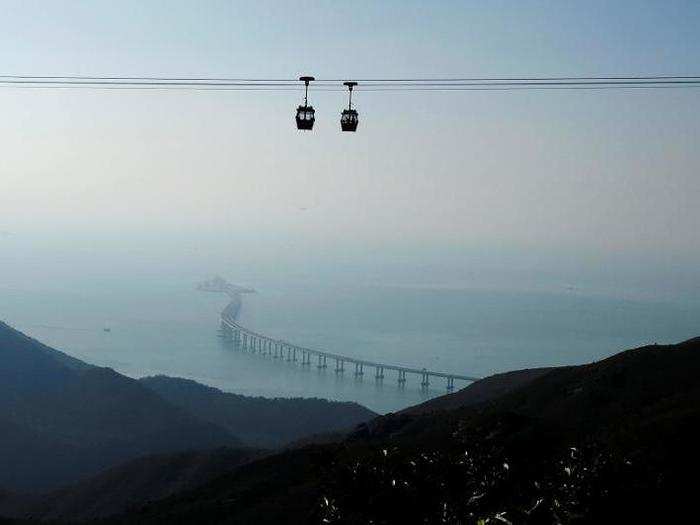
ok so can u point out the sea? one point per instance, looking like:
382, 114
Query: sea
171, 328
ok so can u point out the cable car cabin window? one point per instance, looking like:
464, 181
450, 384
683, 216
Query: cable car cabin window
305, 117
305, 114
349, 120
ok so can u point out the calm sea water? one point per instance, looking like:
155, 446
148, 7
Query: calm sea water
172, 329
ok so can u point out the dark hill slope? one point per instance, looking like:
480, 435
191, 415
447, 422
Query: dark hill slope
130, 485
481, 391
11, 338
257, 421
63, 420
609, 442
28, 366
616, 395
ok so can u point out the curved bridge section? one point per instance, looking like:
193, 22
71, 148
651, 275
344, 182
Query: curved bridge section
250, 341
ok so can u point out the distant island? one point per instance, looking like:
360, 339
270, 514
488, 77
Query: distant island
218, 284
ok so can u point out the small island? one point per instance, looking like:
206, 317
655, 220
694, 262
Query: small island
220, 285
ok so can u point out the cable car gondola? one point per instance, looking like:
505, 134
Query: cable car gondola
349, 118
306, 114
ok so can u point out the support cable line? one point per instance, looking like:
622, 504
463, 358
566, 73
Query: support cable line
640, 78
305, 115
145, 87
385, 84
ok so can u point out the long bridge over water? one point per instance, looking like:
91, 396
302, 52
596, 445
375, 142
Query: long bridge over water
248, 340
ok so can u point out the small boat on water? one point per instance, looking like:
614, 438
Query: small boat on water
107, 329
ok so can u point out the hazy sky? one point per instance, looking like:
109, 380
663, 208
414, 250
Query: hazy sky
584, 180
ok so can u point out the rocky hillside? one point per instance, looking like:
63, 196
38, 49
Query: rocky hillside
609, 442
259, 421
64, 420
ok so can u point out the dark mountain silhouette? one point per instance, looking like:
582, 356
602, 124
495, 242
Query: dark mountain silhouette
130, 485
63, 419
481, 391
36, 354
608, 442
258, 421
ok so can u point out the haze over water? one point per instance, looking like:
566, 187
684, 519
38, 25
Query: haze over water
162, 325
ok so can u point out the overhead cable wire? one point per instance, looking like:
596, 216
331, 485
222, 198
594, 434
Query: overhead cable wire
367, 85
392, 80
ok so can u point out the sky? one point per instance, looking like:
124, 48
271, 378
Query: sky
598, 189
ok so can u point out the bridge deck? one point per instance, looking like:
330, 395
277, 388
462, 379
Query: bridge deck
233, 325
229, 323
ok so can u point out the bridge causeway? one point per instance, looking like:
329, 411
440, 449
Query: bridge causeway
248, 340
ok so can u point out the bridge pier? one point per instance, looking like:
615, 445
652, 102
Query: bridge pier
425, 380
245, 342
450, 384
339, 366
225, 332
294, 354
359, 372
378, 373
402, 378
